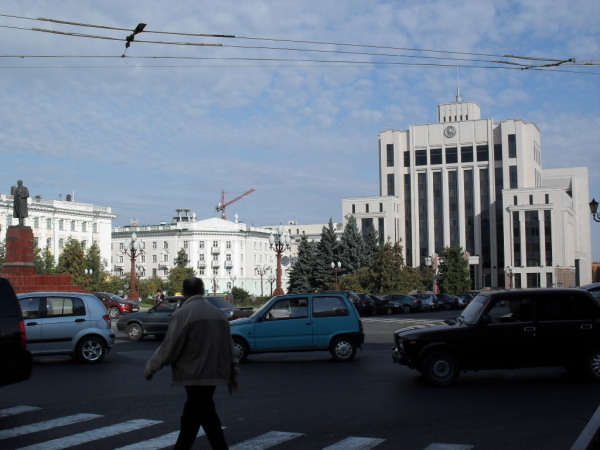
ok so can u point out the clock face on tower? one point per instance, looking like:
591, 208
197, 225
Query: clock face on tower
449, 131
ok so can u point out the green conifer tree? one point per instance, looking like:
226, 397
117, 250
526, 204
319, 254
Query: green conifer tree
301, 275
72, 261
326, 254
453, 274
351, 249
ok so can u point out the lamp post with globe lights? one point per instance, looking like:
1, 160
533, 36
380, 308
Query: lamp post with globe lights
262, 270
509, 273
133, 248
336, 267
279, 242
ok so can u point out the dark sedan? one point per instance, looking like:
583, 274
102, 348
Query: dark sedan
402, 303
155, 320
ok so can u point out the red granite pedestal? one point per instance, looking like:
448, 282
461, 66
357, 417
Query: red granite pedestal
19, 268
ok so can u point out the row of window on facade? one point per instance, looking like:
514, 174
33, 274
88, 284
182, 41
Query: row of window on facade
61, 243
62, 224
450, 155
186, 245
201, 259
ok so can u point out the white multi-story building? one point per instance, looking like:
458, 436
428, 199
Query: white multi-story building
53, 222
223, 253
479, 184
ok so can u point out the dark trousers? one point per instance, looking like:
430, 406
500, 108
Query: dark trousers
199, 410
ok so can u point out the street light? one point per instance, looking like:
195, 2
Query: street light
133, 248
336, 269
214, 283
262, 270
271, 280
232, 278
594, 210
279, 242
88, 276
508, 270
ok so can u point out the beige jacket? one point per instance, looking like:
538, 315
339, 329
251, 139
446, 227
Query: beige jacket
197, 346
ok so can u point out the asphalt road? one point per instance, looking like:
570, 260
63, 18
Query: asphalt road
299, 401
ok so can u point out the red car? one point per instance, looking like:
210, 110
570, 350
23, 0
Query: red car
116, 305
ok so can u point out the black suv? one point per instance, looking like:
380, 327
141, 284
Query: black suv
15, 360
508, 330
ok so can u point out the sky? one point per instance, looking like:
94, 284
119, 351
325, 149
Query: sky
284, 97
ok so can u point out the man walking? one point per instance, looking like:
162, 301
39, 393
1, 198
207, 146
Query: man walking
199, 349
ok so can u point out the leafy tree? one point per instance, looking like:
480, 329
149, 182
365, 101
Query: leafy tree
596, 277
2, 253
387, 271
176, 277
46, 262
454, 271
357, 281
240, 296
324, 277
72, 261
301, 274
351, 248
150, 285
93, 262
113, 283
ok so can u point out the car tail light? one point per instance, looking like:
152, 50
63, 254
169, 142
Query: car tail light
23, 335
106, 317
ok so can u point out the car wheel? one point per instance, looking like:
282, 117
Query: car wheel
406, 308
114, 313
592, 364
135, 332
241, 349
440, 368
90, 349
389, 311
342, 349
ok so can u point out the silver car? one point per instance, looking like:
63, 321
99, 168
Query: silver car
66, 323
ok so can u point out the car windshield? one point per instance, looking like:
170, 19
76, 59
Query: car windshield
261, 309
472, 312
116, 298
219, 302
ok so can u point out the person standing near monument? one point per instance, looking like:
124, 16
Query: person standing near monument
20, 194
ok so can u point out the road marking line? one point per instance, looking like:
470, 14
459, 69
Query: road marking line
17, 410
448, 447
166, 440
92, 435
355, 443
46, 425
266, 440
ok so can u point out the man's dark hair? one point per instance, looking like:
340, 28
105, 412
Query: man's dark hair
193, 286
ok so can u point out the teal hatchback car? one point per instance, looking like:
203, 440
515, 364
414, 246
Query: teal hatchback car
299, 323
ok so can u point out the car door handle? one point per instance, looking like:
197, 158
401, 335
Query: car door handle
31, 324
79, 320
528, 328
586, 326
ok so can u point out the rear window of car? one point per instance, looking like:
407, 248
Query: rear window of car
329, 307
219, 302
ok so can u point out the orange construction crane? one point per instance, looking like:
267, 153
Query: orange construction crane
222, 204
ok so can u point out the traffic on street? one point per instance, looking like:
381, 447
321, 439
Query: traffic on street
299, 401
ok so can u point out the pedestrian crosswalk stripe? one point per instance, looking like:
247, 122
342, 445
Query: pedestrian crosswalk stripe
355, 443
17, 410
92, 435
166, 440
266, 440
46, 425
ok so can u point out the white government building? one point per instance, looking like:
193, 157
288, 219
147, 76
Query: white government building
479, 184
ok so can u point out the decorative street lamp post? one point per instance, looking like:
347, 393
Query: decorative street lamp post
262, 270
279, 242
214, 283
271, 280
509, 273
336, 269
594, 210
133, 248
88, 276
232, 277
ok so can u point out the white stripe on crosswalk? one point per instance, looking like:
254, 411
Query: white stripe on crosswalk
92, 435
46, 425
355, 443
17, 410
166, 440
266, 440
